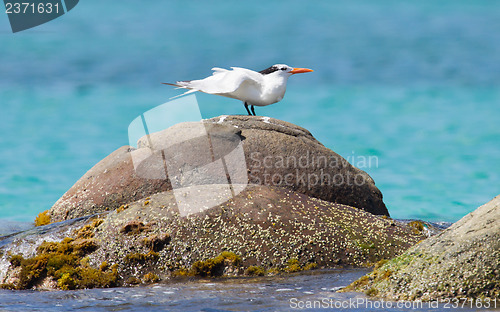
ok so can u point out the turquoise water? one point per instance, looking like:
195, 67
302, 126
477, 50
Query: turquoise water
415, 86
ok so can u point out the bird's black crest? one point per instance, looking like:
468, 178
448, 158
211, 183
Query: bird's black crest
269, 70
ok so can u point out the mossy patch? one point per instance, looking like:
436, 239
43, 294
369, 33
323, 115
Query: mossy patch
151, 278
382, 271
122, 208
417, 226
230, 257
214, 267
104, 266
64, 262
8, 286
255, 271
132, 280
366, 245
273, 271
371, 292
32, 270
211, 267
380, 263
141, 258
293, 266
66, 282
88, 230
310, 266
182, 272
43, 218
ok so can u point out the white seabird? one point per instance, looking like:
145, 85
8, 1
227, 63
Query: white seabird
253, 88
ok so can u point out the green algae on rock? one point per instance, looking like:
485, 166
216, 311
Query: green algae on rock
215, 266
43, 218
461, 262
63, 264
254, 270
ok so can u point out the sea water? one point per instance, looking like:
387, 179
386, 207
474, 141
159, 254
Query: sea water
407, 91
313, 291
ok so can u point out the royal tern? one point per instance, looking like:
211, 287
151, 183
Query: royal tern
253, 88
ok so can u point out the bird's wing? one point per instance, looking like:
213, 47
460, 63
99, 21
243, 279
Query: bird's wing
250, 74
222, 81
217, 70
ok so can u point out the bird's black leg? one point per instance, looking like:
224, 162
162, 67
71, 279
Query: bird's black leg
246, 106
253, 110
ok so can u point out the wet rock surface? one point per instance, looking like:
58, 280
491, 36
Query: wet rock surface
267, 229
461, 262
275, 152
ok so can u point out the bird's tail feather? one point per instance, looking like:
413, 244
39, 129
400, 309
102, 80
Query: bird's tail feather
185, 93
171, 84
181, 85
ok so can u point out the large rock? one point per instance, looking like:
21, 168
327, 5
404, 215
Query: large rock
461, 262
109, 184
274, 152
282, 154
267, 229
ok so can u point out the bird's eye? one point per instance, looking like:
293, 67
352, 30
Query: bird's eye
283, 68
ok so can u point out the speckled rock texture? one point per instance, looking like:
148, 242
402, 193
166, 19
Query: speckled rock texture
461, 262
269, 228
276, 153
265, 225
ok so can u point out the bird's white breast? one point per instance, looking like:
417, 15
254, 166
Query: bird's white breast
273, 90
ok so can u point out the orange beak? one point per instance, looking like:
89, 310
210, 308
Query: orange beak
301, 70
